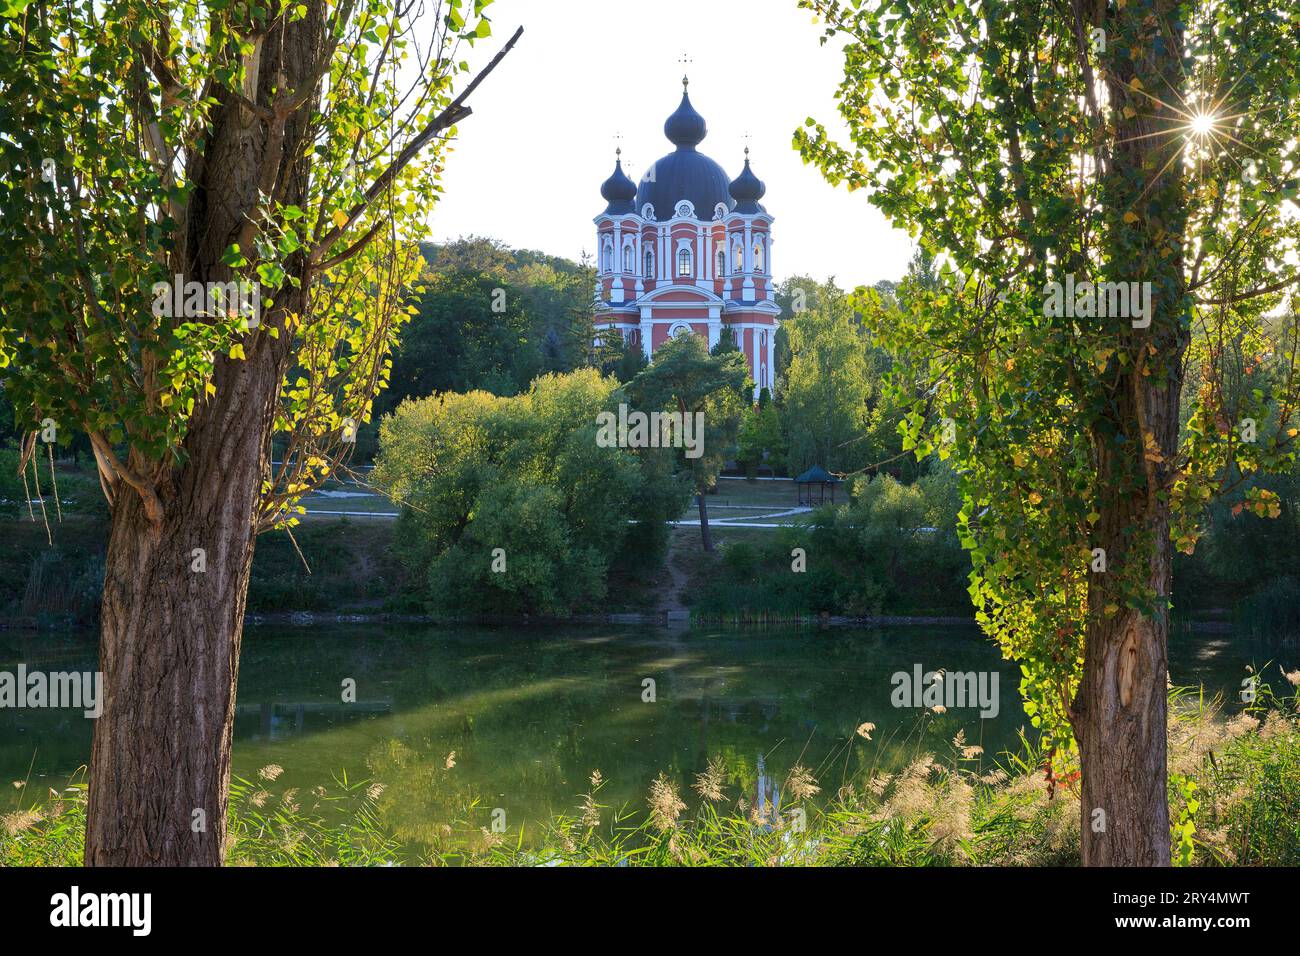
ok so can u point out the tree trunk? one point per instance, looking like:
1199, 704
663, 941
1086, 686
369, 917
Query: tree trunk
1121, 733
171, 626
1121, 705
704, 521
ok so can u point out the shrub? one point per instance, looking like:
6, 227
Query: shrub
510, 504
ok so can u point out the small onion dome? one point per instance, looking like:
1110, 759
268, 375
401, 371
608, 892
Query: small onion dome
618, 190
747, 189
686, 128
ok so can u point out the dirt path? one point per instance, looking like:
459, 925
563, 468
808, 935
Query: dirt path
670, 598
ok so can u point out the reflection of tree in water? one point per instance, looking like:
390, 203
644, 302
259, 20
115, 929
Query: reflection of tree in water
530, 717
424, 800
767, 795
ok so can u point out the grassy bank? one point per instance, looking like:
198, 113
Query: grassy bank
875, 557
341, 565
1234, 800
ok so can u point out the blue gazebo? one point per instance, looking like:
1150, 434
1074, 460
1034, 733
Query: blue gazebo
812, 486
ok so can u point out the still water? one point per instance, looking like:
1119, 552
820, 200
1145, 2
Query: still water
529, 714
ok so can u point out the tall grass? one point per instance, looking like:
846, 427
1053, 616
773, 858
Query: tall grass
1234, 800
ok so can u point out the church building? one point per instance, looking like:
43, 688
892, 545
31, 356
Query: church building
688, 250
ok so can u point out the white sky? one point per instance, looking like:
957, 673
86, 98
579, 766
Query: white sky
529, 163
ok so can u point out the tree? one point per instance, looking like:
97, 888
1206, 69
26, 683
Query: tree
1038, 147
686, 379
197, 265
760, 438
828, 386
622, 358
490, 317
512, 504
469, 331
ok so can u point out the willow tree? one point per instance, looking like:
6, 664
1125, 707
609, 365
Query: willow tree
1039, 150
272, 164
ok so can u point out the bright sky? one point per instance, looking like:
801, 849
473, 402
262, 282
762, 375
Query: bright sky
529, 163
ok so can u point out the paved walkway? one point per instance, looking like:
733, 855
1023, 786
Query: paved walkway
745, 521
720, 521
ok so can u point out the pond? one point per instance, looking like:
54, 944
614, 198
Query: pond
523, 716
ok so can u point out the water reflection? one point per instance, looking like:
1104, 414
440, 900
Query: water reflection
458, 723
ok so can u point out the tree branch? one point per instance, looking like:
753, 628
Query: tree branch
455, 111
1252, 293
104, 455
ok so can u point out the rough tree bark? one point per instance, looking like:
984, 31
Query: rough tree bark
1120, 708
169, 647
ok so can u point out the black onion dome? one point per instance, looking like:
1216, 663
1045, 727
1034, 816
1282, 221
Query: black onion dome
685, 173
618, 190
747, 189
686, 128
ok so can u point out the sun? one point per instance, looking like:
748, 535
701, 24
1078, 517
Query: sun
1202, 124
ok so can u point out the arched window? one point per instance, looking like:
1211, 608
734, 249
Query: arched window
722, 262
739, 257
649, 264
684, 261
609, 257
627, 259
759, 258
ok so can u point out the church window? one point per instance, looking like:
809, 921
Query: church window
649, 264
684, 262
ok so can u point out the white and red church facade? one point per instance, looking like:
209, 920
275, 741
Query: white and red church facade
688, 250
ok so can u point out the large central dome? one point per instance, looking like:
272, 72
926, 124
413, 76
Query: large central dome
685, 173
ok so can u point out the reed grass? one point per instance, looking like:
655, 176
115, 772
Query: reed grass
1234, 800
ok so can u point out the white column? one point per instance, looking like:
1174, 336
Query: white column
638, 264
617, 288
771, 358
730, 269
748, 294
754, 349
645, 331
